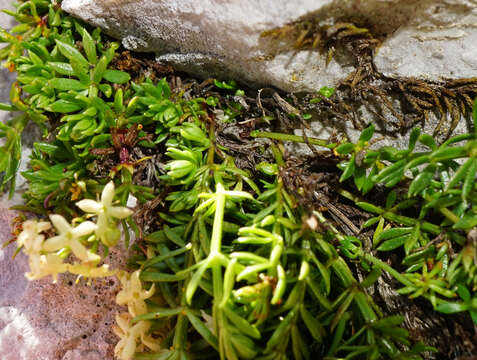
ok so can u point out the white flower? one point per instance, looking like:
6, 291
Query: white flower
31, 238
69, 237
129, 335
44, 265
105, 210
133, 294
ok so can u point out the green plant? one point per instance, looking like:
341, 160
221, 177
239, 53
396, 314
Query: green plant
231, 262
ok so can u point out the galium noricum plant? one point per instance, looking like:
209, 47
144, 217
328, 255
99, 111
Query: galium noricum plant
238, 268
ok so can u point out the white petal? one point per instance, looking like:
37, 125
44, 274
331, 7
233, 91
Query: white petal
82, 253
120, 212
122, 298
150, 343
60, 223
89, 206
84, 228
123, 321
43, 225
102, 224
147, 294
129, 349
37, 243
55, 243
108, 194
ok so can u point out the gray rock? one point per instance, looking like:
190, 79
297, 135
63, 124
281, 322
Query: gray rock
437, 42
429, 39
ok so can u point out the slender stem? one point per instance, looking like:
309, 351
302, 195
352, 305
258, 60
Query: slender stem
218, 283
293, 138
449, 214
211, 150
216, 240
180, 333
383, 266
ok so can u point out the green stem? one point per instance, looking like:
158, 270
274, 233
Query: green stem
383, 266
211, 150
292, 138
449, 214
180, 333
391, 216
216, 240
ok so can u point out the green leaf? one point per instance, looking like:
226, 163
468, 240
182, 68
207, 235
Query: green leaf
240, 323
339, 314
393, 243
161, 277
469, 181
327, 91
473, 315
67, 84
61, 68
463, 292
313, 325
447, 307
70, 52
391, 175
99, 70
428, 140
345, 148
413, 137
367, 133
80, 71
394, 232
419, 256
315, 289
446, 153
47, 148
460, 173
360, 178
106, 89
466, 222
116, 76
244, 346
89, 47
371, 222
349, 169
64, 106
228, 85
6, 107
422, 180
195, 280
369, 207
412, 240
391, 199
371, 278
387, 322
118, 101
158, 314
202, 329
280, 331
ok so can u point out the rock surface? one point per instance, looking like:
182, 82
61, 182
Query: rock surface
40, 320
432, 39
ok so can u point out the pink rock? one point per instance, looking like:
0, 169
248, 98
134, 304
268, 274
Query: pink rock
40, 320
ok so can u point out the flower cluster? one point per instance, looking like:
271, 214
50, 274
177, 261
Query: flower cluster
132, 295
46, 255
